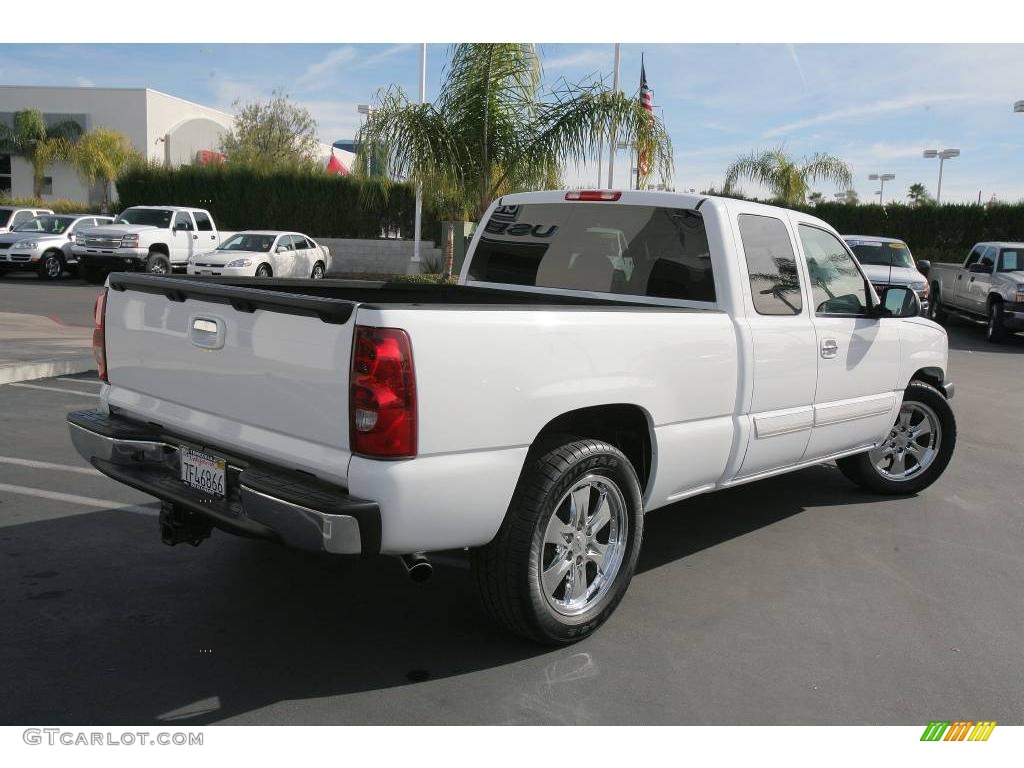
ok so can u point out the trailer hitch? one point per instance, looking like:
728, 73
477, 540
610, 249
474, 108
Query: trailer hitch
179, 526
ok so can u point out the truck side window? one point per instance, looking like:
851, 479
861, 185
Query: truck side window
183, 221
1011, 261
988, 258
973, 258
837, 285
203, 223
771, 265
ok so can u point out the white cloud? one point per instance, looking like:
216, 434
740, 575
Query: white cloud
872, 109
316, 72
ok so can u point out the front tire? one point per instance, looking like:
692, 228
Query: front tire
916, 451
936, 311
566, 551
158, 264
264, 270
51, 267
318, 271
996, 332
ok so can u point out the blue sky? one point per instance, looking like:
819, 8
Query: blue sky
876, 106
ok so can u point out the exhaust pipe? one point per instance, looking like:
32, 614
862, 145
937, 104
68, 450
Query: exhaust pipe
417, 566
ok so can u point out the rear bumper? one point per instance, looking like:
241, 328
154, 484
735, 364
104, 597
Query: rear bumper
1013, 317
264, 502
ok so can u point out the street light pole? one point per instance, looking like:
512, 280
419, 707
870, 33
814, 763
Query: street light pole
611, 143
418, 222
943, 155
881, 178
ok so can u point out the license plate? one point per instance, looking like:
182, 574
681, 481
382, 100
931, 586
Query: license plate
202, 471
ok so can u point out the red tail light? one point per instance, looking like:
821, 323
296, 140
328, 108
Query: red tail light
99, 334
382, 399
593, 195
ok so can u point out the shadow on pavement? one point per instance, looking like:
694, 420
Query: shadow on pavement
968, 336
103, 624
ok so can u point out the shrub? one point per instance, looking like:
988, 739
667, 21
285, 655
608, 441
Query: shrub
57, 206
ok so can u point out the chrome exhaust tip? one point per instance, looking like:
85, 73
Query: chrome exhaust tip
417, 566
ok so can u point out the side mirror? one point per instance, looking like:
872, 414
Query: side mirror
280, 249
979, 269
899, 301
924, 267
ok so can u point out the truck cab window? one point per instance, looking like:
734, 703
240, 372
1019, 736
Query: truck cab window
837, 285
771, 265
183, 221
203, 223
1011, 261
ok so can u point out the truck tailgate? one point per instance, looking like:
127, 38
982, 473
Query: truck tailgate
261, 371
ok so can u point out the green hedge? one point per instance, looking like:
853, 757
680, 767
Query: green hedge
936, 232
242, 198
57, 206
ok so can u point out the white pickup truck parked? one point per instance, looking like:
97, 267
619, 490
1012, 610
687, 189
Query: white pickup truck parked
153, 238
988, 286
603, 355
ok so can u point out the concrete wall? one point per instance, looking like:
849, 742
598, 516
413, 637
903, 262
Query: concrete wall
378, 256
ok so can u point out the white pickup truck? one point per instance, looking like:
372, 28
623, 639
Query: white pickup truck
603, 355
154, 238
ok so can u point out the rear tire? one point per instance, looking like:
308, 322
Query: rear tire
158, 264
52, 266
93, 275
936, 311
996, 332
917, 450
552, 574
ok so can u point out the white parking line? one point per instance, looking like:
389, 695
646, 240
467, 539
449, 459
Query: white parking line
70, 498
47, 465
97, 382
55, 389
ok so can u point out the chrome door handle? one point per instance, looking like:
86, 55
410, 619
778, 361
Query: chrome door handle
829, 348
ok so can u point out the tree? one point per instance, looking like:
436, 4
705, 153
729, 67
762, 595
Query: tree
495, 129
41, 145
786, 178
918, 194
272, 135
815, 198
101, 156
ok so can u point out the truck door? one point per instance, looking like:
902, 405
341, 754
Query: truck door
207, 234
183, 237
978, 281
783, 344
958, 296
858, 355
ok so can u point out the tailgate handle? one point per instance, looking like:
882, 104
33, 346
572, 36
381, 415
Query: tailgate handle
206, 332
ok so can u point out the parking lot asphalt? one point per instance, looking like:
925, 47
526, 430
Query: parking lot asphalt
796, 600
68, 301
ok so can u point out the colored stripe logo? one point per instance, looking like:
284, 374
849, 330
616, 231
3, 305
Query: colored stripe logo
960, 730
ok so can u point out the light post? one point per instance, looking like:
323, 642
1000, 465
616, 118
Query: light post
844, 196
1018, 106
943, 155
881, 178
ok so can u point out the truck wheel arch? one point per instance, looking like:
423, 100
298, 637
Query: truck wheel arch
931, 375
160, 248
626, 426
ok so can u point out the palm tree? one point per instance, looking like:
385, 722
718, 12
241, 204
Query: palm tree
101, 156
918, 194
788, 179
493, 131
41, 145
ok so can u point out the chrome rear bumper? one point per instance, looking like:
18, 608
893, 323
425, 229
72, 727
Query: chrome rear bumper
266, 502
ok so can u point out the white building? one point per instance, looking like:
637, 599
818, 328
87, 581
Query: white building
162, 128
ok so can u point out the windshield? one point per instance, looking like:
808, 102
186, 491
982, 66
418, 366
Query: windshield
150, 217
244, 242
53, 225
1011, 260
882, 254
637, 250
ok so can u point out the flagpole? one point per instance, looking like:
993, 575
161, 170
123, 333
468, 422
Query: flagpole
641, 95
611, 144
418, 225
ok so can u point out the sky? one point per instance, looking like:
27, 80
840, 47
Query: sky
875, 106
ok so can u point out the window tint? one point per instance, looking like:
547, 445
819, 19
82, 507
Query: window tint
771, 265
285, 241
183, 221
22, 216
837, 286
1011, 261
309, 243
988, 257
975, 255
203, 223
634, 250
300, 242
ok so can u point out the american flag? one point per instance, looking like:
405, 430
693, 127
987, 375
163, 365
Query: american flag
643, 166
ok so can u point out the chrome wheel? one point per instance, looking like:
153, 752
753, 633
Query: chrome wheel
158, 268
912, 444
53, 267
584, 543
318, 272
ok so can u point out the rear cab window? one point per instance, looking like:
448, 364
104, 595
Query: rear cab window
631, 250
